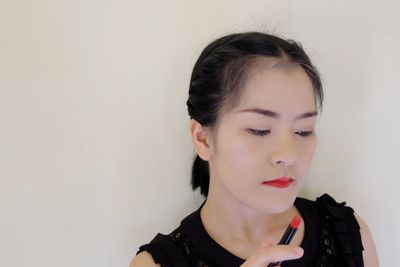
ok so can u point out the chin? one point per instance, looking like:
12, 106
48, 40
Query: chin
275, 203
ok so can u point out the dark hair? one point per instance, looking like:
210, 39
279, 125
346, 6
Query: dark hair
222, 69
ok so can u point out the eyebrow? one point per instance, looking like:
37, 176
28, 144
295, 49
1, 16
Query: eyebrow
272, 114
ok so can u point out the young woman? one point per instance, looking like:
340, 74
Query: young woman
253, 101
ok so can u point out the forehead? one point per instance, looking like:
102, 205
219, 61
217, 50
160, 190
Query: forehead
278, 84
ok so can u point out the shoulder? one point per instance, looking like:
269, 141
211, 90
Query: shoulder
161, 251
370, 255
350, 231
154, 253
143, 259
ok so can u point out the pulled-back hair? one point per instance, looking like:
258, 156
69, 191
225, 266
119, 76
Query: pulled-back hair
221, 71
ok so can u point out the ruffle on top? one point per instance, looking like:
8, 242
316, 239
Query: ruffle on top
340, 234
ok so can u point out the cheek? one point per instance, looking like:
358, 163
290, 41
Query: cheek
308, 150
239, 158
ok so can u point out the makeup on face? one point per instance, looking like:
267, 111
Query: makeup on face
281, 182
266, 127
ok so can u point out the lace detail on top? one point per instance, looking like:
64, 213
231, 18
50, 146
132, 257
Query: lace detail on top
174, 250
332, 239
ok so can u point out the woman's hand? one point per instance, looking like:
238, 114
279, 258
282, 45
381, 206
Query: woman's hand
268, 254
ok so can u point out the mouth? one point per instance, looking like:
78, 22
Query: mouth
282, 182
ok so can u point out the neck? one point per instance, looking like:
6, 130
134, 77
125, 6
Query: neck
228, 220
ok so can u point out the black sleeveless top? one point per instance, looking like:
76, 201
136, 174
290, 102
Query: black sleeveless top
331, 238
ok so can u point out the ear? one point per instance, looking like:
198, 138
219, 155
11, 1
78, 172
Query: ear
201, 139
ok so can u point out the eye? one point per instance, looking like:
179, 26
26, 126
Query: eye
259, 132
304, 133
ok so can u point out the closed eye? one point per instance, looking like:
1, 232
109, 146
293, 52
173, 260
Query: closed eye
259, 132
304, 133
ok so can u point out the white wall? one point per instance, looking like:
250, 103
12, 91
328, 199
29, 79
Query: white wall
94, 149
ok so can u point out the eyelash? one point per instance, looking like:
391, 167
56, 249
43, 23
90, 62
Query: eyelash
259, 132
265, 132
305, 133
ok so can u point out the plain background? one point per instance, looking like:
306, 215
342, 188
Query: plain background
95, 154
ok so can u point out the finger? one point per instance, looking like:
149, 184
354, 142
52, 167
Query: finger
273, 254
281, 252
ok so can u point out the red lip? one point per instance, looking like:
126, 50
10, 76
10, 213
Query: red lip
281, 182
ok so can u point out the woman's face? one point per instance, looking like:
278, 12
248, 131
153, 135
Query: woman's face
270, 134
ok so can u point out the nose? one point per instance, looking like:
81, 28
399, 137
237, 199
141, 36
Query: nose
285, 153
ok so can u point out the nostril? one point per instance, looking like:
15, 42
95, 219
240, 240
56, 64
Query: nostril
285, 163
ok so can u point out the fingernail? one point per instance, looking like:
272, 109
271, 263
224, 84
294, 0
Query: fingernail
299, 251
